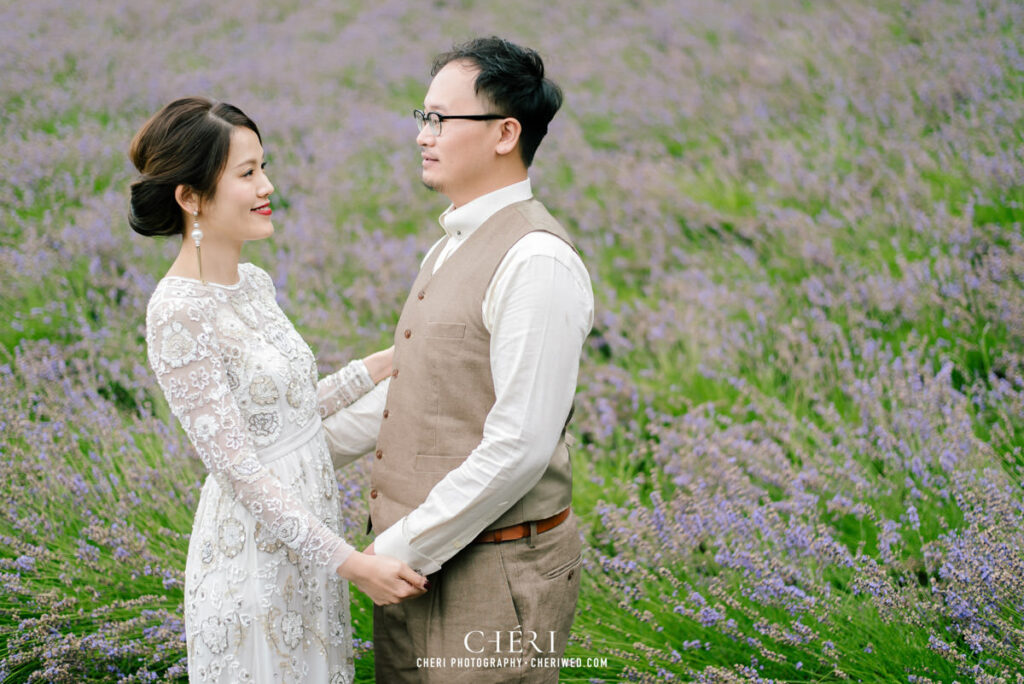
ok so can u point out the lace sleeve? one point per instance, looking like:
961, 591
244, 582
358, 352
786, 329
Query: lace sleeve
181, 342
338, 390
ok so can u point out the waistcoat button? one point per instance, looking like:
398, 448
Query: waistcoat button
373, 493
394, 373
385, 413
421, 294
380, 453
408, 333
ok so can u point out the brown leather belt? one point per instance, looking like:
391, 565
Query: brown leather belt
522, 529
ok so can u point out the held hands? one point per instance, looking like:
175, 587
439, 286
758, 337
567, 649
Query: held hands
378, 364
384, 579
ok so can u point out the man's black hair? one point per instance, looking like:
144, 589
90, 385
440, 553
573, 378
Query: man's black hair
512, 78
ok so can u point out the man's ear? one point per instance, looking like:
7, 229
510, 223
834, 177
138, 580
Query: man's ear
511, 129
186, 198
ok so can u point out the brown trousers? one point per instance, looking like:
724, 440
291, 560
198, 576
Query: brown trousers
498, 612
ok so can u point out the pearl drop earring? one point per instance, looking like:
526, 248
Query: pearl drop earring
197, 237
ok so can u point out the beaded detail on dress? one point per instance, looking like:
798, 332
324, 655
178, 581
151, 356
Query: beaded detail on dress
261, 595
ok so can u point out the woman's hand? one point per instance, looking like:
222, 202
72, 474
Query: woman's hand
384, 579
379, 364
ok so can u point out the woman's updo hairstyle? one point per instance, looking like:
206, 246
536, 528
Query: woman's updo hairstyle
185, 143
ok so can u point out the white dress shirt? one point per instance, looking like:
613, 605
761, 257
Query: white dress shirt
538, 308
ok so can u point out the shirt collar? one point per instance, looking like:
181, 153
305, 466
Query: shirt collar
460, 223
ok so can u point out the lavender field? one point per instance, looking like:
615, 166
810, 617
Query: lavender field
801, 411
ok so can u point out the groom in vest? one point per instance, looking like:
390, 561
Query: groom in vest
471, 481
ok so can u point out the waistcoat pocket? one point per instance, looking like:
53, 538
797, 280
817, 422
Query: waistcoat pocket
436, 464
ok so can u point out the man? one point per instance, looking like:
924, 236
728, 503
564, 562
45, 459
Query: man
471, 481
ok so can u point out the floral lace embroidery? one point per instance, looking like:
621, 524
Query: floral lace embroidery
185, 352
344, 387
241, 381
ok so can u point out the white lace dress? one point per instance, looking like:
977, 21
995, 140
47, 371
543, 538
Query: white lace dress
262, 600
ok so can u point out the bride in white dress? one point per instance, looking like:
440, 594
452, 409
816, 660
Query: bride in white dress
265, 593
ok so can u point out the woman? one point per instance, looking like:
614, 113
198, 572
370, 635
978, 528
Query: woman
265, 596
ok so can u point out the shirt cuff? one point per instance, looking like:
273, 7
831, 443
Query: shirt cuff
391, 542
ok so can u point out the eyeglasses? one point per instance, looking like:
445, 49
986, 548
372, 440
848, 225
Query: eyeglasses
434, 119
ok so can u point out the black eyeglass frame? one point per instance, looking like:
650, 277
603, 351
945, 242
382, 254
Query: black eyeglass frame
427, 119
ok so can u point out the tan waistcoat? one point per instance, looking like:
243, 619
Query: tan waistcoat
441, 390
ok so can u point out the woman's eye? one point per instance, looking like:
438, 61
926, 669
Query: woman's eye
247, 173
